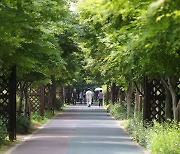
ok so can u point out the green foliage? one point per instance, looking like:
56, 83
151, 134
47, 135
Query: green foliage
36, 117
138, 131
159, 138
3, 132
39, 119
135, 127
48, 115
59, 104
164, 138
29, 38
119, 111
159, 40
23, 124
130, 39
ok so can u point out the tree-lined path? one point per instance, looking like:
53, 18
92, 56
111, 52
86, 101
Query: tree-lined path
80, 130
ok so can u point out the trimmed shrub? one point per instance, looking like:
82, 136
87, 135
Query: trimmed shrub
23, 124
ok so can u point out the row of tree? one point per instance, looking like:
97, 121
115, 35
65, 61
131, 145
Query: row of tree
39, 38
128, 40
105, 42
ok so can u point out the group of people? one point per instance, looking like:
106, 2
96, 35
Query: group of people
87, 97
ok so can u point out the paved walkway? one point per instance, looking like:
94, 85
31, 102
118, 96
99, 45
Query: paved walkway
79, 130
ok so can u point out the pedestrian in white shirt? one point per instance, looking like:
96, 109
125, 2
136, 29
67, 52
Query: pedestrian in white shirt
89, 96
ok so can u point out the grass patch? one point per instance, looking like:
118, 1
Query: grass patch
39, 120
7, 145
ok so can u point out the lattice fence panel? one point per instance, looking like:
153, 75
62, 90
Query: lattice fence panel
37, 99
34, 99
47, 98
4, 99
157, 102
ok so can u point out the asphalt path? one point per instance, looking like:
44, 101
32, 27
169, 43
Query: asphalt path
79, 130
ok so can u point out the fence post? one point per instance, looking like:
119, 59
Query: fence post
42, 100
147, 99
53, 91
12, 104
113, 89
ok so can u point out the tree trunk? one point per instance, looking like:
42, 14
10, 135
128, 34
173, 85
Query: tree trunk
21, 98
62, 94
168, 105
168, 101
129, 98
108, 95
177, 112
53, 91
121, 96
27, 109
113, 93
21, 90
141, 100
137, 104
171, 83
68, 95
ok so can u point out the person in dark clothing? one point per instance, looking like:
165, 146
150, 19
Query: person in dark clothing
100, 97
74, 97
81, 97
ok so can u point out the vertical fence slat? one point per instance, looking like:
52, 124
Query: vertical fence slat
147, 97
42, 95
12, 105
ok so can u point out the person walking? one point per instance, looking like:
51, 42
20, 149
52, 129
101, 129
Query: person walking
100, 97
74, 97
89, 96
84, 96
81, 97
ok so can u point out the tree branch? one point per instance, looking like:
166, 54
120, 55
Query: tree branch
138, 88
165, 84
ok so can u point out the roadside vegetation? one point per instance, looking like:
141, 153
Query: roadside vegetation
3, 133
156, 137
26, 125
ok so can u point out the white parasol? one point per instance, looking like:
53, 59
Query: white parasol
98, 89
